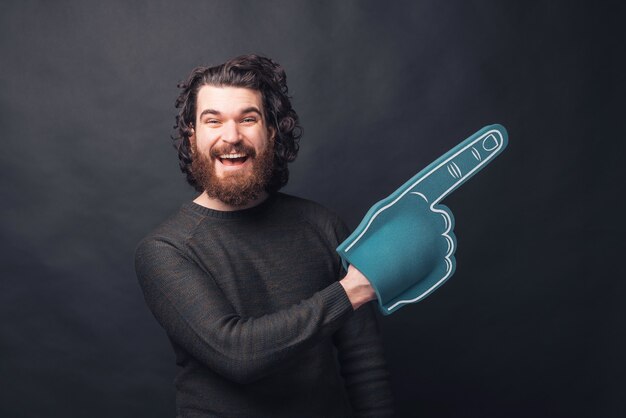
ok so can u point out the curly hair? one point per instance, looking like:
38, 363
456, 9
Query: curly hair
253, 72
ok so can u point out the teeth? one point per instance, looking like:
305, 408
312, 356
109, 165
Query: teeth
232, 155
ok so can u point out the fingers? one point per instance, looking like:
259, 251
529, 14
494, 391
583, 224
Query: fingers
459, 164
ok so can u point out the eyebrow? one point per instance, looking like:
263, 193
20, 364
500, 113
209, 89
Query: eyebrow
249, 109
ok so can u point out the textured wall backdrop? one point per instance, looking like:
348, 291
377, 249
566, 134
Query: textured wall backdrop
532, 324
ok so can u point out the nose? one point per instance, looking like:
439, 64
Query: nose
231, 134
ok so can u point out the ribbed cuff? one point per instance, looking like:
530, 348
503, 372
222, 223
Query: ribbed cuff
336, 301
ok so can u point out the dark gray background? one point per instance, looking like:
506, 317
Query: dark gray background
533, 322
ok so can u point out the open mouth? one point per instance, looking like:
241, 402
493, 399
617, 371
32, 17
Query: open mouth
233, 159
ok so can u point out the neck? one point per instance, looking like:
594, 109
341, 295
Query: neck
213, 203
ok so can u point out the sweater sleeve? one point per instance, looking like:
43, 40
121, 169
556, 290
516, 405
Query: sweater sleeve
196, 315
361, 357
363, 365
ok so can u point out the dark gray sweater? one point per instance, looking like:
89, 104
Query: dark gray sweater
252, 306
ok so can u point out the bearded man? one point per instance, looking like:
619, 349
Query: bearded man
245, 280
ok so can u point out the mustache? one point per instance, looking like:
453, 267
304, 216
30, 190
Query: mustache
233, 149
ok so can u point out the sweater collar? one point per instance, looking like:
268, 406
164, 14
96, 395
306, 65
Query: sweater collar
231, 214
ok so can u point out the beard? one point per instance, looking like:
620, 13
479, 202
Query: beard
236, 188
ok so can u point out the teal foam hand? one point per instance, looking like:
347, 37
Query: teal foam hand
405, 245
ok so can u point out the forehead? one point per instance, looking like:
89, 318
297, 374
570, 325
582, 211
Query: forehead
227, 99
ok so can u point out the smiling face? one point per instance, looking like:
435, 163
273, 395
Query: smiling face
232, 145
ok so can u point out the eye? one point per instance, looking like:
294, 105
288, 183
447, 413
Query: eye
249, 120
212, 121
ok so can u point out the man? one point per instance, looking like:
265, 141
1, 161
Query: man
244, 279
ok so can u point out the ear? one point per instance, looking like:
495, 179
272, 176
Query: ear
192, 141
